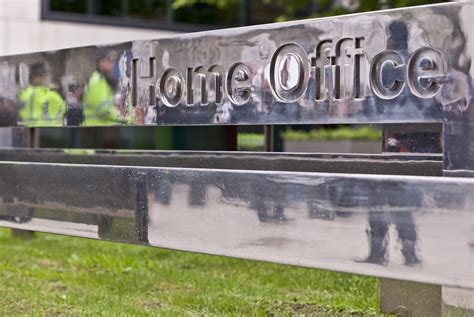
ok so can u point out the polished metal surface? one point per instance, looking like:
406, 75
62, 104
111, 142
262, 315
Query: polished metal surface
30, 153
412, 138
403, 227
391, 67
395, 164
405, 65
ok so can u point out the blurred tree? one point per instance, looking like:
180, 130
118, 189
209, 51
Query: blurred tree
297, 9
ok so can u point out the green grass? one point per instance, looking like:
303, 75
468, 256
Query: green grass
56, 275
255, 141
250, 141
340, 133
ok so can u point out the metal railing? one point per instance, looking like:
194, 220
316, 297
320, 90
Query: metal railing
331, 211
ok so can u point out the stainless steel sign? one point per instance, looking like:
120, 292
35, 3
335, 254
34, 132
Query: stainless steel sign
335, 73
408, 65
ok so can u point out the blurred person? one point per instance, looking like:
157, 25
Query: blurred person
8, 112
396, 208
39, 104
395, 203
75, 115
100, 92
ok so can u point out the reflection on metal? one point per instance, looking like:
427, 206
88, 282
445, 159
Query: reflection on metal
407, 65
355, 68
309, 219
410, 138
403, 66
395, 164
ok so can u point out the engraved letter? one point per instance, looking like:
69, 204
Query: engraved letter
205, 84
239, 84
323, 63
289, 73
140, 91
344, 74
171, 87
387, 75
425, 71
359, 83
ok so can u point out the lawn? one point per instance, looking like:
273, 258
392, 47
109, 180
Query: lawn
57, 275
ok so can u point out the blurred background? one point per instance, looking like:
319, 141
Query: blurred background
34, 25
29, 25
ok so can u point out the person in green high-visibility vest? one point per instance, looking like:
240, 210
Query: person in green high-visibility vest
40, 106
99, 94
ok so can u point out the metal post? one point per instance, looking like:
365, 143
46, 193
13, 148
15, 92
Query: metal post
91, 10
244, 12
169, 11
268, 131
401, 297
24, 137
408, 299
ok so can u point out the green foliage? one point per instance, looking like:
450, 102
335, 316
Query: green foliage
177, 4
298, 9
250, 141
325, 7
53, 275
255, 141
340, 133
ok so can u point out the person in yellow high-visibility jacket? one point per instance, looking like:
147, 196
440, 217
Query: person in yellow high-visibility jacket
99, 95
39, 105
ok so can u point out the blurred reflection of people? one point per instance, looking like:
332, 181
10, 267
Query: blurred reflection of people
127, 229
40, 105
75, 115
8, 111
269, 200
99, 95
197, 194
401, 202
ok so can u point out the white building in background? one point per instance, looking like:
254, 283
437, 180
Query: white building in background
23, 31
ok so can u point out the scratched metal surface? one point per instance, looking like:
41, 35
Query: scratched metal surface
398, 66
26, 154
390, 163
404, 65
402, 227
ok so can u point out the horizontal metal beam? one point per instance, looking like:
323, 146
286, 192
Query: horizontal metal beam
30, 153
403, 65
400, 227
395, 164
